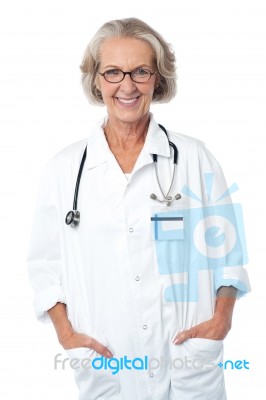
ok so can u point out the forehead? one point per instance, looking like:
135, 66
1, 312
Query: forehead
126, 52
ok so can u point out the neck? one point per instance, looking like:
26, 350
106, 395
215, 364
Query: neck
126, 136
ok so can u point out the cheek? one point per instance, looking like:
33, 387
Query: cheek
107, 91
150, 89
149, 93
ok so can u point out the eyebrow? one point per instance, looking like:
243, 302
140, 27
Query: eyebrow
116, 67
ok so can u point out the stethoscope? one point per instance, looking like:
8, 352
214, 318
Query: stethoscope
73, 216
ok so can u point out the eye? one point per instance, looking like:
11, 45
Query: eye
112, 72
141, 72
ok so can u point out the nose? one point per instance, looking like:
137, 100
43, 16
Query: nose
127, 85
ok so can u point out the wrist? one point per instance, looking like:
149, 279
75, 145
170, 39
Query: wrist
61, 322
65, 335
224, 311
223, 319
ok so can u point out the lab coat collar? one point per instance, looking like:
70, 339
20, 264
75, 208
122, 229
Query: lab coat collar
98, 150
156, 140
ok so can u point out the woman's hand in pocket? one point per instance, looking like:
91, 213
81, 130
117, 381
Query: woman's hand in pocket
73, 340
219, 325
215, 329
70, 339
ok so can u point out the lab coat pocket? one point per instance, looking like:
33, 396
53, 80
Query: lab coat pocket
94, 378
167, 225
168, 233
204, 348
201, 375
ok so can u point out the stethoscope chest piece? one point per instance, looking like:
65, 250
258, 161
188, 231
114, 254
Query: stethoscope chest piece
73, 218
167, 199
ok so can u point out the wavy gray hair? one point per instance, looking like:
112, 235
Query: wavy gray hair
136, 29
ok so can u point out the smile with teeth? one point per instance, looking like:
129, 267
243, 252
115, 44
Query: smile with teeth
127, 101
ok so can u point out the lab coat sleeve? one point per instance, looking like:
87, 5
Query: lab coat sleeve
44, 257
228, 274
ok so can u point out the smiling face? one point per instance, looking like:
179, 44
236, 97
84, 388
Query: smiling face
127, 101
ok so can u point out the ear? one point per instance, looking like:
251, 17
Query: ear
98, 82
157, 81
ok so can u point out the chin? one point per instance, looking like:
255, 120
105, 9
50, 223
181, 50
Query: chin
130, 116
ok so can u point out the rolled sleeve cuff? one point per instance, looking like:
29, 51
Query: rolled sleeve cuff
233, 276
45, 300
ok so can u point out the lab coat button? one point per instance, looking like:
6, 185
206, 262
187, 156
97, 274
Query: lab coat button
144, 327
151, 375
131, 230
137, 278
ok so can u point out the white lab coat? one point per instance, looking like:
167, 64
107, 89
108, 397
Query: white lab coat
107, 271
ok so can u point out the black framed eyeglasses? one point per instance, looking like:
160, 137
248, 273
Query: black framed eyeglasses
139, 75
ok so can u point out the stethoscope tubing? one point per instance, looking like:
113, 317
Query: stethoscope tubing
75, 201
73, 217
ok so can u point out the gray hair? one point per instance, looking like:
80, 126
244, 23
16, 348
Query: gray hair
135, 29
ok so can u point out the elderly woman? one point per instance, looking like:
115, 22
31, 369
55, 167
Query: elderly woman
135, 300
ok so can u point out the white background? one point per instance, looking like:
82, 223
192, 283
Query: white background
220, 48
